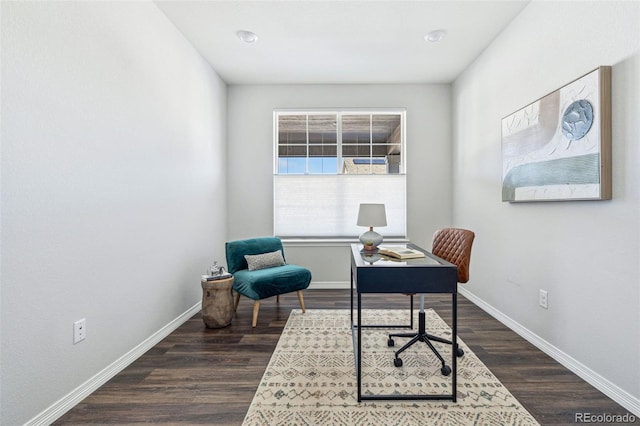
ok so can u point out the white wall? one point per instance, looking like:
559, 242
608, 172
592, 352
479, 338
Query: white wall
113, 146
585, 254
250, 175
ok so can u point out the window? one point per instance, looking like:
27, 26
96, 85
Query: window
328, 162
339, 142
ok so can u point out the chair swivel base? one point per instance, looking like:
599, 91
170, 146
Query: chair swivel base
422, 336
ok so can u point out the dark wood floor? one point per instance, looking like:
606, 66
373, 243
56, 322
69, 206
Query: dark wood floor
209, 376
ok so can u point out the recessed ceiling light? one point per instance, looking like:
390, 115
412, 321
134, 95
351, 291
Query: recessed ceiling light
435, 35
247, 36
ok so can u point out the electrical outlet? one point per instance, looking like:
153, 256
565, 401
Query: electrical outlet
544, 299
79, 330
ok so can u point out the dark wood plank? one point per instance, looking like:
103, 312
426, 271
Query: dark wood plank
209, 376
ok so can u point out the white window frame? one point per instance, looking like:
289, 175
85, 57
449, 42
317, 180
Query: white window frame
340, 112
301, 219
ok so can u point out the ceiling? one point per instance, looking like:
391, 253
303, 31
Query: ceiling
340, 42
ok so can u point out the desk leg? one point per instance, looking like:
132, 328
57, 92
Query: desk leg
411, 313
359, 354
351, 296
454, 346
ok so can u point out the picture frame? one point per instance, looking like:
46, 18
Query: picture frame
558, 148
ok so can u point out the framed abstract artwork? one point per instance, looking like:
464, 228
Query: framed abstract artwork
559, 147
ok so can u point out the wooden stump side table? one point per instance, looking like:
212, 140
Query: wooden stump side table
217, 302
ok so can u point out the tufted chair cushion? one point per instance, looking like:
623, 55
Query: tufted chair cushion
454, 246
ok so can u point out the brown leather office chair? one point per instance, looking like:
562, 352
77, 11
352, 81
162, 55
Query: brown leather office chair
454, 246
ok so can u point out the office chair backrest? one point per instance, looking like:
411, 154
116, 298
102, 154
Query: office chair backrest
454, 246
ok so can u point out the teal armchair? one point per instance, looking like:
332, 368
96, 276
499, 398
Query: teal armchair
259, 271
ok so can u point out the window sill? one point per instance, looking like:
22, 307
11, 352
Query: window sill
333, 242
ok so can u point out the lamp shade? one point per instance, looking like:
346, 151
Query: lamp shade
372, 215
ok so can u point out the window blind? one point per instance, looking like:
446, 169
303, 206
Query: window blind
327, 205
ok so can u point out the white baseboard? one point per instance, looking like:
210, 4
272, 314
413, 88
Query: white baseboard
70, 400
614, 392
330, 285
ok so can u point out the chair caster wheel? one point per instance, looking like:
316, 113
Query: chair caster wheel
390, 342
397, 362
459, 352
445, 370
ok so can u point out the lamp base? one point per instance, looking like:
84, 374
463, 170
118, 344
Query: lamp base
371, 237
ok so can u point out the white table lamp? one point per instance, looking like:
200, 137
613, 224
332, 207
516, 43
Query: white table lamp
371, 215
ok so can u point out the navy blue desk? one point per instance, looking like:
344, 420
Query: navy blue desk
377, 274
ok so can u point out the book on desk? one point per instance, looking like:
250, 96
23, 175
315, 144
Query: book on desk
400, 252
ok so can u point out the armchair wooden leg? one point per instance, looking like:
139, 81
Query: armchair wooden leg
256, 308
235, 305
277, 298
301, 299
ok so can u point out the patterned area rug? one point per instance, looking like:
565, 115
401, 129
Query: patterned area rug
311, 379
